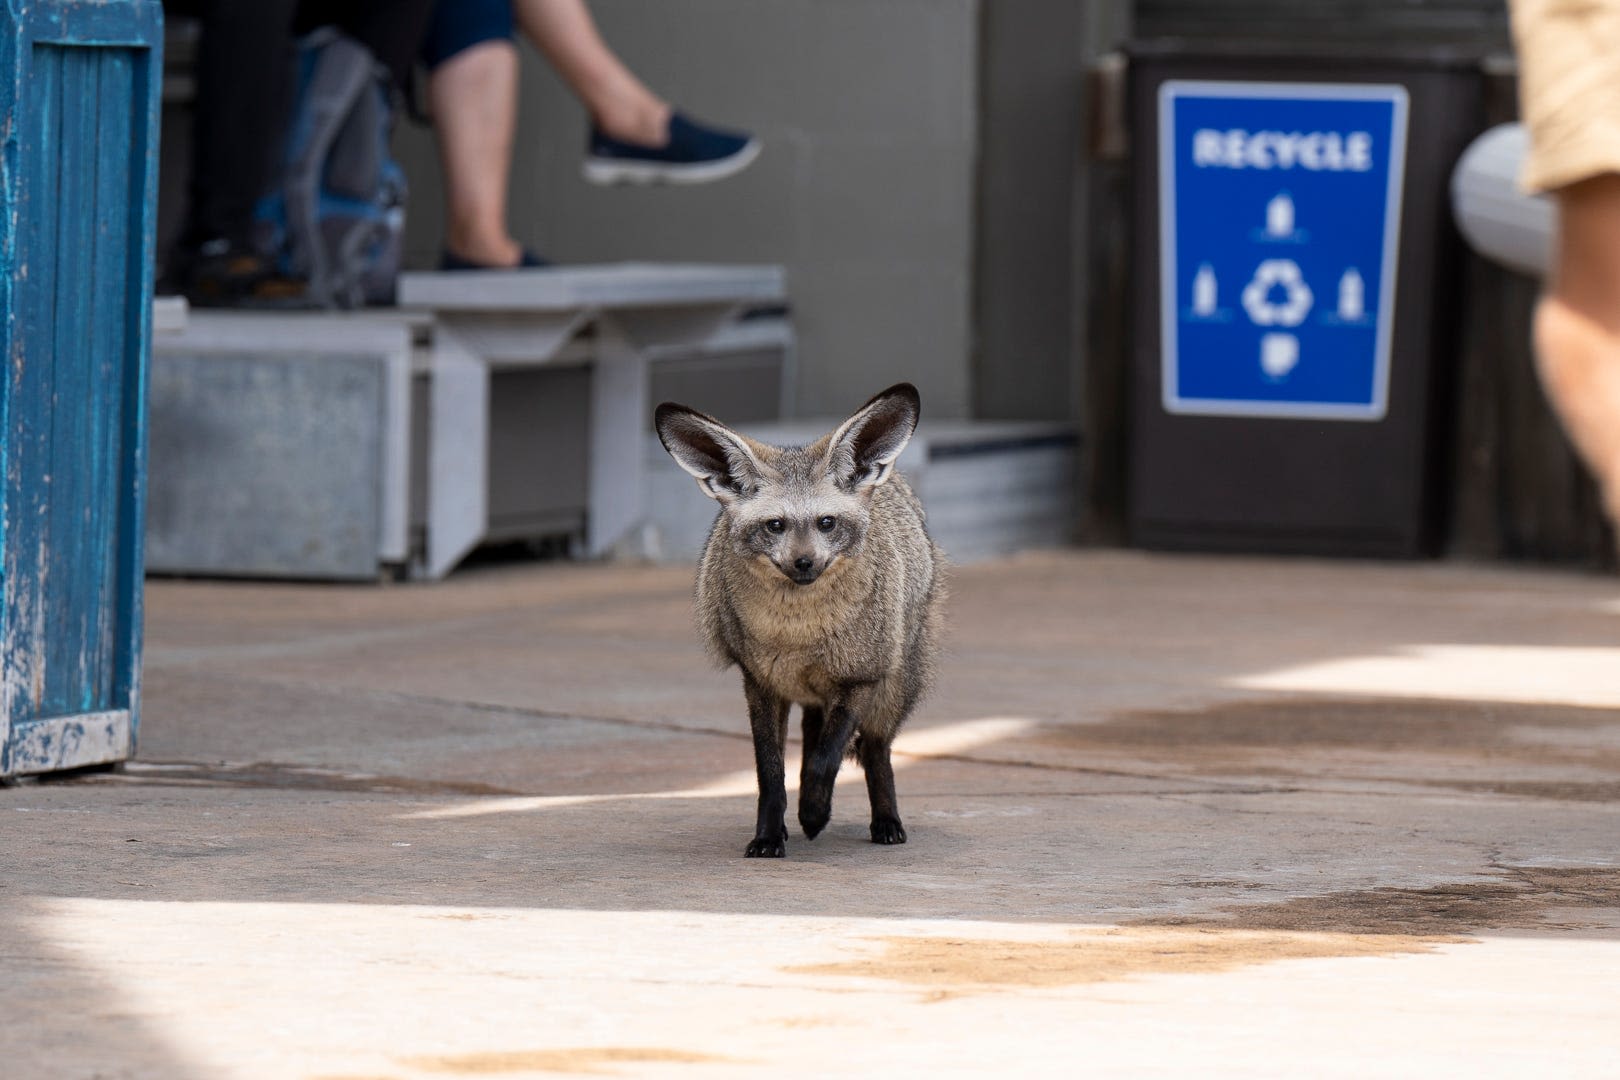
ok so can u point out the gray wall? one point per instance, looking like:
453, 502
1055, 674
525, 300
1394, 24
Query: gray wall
865, 189
1032, 63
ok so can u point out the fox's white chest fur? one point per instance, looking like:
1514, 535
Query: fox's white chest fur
799, 636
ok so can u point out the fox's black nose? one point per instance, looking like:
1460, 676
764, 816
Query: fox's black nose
804, 564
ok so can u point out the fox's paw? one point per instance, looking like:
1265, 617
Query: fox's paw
814, 815
766, 847
888, 831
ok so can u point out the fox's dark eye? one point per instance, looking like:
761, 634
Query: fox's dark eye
826, 524
777, 526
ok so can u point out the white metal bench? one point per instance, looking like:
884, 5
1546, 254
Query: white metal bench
478, 384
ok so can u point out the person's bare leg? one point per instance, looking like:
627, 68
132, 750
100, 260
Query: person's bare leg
619, 103
1577, 329
473, 97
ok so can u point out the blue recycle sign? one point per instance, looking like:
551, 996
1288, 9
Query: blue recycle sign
1280, 207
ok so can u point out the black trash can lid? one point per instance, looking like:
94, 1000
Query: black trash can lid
1333, 59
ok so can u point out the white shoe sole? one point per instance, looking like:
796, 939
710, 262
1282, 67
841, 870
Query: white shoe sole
613, 171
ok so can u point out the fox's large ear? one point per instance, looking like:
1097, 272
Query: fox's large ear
722, 462
864, 448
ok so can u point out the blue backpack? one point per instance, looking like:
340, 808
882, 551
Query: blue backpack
336, 217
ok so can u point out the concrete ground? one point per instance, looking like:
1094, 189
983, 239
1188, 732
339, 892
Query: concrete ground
1168, 816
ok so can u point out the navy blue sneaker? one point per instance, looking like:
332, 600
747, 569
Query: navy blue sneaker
695, 154
449, 260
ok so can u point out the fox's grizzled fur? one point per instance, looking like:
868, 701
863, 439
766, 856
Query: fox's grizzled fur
820, 582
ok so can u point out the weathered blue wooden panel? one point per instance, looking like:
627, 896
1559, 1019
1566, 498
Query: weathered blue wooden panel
79, 87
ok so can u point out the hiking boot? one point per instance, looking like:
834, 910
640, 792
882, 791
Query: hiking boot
217, 273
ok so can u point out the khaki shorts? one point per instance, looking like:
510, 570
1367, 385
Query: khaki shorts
1569, 88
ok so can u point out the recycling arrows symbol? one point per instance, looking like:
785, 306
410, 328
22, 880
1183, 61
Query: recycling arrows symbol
1278, 297
1271, 274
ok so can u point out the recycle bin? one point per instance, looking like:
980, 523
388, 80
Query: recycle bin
1293, 291
79, 86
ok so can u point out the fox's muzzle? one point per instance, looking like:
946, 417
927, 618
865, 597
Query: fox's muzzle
802, 570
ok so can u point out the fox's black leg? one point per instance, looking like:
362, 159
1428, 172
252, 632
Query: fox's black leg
821, 764
874, 755
814, 720
766, 715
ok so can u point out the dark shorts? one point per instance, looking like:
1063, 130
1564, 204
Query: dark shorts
457, 25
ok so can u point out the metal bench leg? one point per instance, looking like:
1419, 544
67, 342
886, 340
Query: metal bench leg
458, 456
618, 428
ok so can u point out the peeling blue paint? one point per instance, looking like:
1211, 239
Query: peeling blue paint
67, 743
79, 86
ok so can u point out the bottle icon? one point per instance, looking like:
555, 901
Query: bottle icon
1280, 215
1204, 294
1279, 354
1352, 296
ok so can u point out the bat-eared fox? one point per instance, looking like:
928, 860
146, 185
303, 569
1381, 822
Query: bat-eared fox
820, 582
